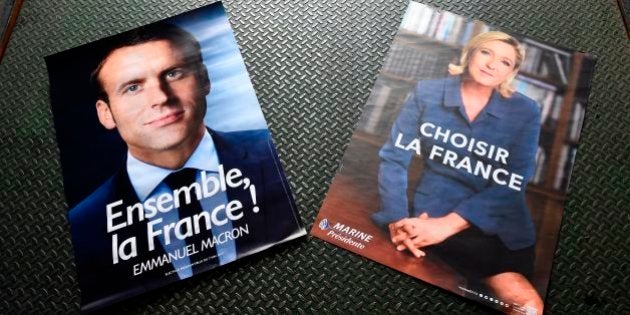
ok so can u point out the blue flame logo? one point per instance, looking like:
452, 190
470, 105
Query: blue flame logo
323, 224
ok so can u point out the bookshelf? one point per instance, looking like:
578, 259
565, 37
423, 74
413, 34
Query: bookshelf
430, 39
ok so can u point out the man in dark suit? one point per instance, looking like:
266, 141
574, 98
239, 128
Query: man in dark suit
151, 88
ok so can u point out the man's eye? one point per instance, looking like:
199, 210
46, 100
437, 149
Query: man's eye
132, 88
174, 74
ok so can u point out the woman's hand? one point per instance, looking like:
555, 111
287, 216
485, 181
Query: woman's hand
402, 239
414, 233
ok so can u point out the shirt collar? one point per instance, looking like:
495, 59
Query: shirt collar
453, 92
145, 177
453, 98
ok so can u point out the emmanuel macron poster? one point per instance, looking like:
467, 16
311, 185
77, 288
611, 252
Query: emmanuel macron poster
169, 168
459, 166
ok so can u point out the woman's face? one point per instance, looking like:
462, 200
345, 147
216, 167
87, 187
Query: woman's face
492, 63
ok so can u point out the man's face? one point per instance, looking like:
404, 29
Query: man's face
156, 100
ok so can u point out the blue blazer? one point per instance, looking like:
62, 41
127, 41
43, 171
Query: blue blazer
252, 152
511, 123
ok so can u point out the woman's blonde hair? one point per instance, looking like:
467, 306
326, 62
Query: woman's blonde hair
505, 88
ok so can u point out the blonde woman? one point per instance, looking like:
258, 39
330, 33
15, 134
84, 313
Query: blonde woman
472, 214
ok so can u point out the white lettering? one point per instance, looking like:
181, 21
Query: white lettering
111, 216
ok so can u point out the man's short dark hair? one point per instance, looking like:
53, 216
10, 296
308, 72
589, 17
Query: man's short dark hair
180, 38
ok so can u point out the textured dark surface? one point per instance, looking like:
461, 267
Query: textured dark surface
312, 64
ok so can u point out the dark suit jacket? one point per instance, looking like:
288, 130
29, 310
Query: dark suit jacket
103, 282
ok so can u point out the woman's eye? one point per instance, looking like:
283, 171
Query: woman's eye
485, 52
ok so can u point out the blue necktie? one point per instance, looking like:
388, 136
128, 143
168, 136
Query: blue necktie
175, 181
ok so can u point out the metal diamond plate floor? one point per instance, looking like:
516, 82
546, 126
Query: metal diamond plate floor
312, 64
